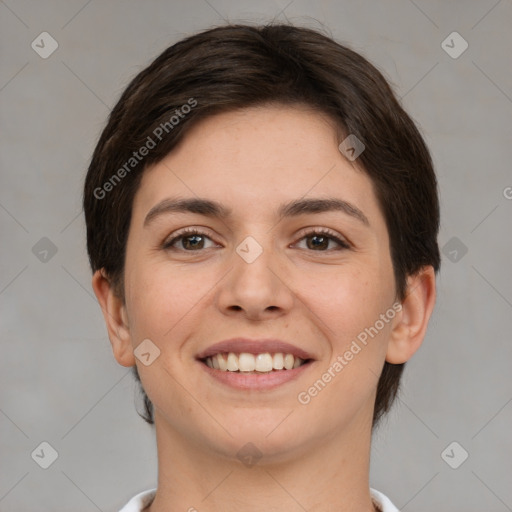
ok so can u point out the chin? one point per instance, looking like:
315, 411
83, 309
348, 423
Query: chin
261, 434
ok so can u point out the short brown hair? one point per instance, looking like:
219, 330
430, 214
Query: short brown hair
235, 66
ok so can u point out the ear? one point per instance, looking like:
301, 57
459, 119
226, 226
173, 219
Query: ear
114, 312
411, 323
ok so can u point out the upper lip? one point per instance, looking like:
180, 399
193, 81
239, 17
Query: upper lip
254, 346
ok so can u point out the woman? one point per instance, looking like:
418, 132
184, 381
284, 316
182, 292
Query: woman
262, 221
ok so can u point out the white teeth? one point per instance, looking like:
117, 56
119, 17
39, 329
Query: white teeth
222, 362
288, 361
278, 361
246, 362
264, 363
232, 362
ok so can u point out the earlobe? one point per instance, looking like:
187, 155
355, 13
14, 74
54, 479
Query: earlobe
411, 325
116, 319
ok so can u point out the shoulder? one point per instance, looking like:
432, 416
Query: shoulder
143, 499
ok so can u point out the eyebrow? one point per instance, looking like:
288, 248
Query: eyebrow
294, 208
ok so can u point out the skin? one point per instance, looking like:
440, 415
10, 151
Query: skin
315, 457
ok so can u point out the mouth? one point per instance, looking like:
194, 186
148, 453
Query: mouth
245, 362
254, 364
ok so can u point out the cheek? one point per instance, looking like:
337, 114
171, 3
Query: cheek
347, 300
349, 308
161, 303
160, 296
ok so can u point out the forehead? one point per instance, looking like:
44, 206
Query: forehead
258, 156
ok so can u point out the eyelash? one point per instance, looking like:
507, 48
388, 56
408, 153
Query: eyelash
167, 245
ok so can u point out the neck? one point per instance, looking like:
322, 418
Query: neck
334, 475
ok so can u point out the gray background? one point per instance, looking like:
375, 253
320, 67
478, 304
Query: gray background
59, 382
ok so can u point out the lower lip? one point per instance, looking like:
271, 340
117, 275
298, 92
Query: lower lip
255, 381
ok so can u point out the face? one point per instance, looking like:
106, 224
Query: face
263, 276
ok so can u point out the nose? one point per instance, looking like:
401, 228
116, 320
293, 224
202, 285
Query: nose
259, 288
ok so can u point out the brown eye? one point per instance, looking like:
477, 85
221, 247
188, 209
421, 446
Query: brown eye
190, 240
319, 241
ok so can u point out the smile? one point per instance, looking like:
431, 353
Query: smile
248, 364
253, 363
